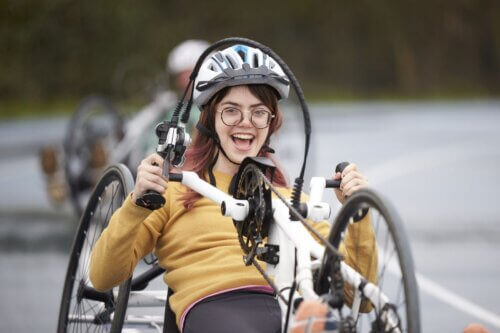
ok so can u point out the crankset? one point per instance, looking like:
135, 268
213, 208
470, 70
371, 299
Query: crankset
251, 185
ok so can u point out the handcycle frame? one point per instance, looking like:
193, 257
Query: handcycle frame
299, 255
295, 244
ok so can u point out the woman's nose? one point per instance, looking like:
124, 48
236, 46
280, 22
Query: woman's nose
246, 119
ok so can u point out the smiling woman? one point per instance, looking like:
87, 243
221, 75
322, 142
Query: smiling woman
220, 146
243, 125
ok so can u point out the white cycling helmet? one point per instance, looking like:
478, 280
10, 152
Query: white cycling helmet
237, 65
184, 56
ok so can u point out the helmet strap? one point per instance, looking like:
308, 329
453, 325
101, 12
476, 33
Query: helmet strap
208, 133
211, 171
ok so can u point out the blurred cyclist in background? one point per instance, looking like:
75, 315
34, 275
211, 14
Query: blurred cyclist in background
180, 62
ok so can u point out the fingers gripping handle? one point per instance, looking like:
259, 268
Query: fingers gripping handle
152, 199
335, 183
173, 141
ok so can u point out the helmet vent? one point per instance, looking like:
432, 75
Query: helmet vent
242, 54
255, 61
232, 63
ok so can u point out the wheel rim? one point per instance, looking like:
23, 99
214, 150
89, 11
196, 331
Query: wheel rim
394, 266
83, 308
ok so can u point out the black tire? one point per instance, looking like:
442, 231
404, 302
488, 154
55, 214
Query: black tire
79, 299
395, 272
95, 128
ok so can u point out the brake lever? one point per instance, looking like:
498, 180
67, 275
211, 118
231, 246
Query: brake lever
172, 145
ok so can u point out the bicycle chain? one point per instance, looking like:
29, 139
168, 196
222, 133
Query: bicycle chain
268, 280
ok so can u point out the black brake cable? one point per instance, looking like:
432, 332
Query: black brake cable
299, 181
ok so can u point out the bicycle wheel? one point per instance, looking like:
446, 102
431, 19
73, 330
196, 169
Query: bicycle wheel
95, 128
82, 307
387, 263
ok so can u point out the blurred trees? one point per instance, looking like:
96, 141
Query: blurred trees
54, 49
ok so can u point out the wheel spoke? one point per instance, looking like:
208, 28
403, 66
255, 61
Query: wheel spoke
80, 306
395, 275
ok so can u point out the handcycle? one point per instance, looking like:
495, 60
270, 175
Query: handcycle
273, 230
394, 297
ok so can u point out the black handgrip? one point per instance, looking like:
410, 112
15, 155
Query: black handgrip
335, 183
175, 177
151, 200
332, 183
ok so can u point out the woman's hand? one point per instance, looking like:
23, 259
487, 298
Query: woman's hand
351, 181
149, 176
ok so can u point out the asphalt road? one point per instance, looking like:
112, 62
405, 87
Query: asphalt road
437, 163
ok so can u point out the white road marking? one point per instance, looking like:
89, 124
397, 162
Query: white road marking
410, 164
456, 301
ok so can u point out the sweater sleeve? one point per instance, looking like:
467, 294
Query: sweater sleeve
131, 234
360, 252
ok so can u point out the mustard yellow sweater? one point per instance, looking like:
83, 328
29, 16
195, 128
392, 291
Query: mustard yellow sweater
198, 248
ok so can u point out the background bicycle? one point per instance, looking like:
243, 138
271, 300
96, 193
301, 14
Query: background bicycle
98, 134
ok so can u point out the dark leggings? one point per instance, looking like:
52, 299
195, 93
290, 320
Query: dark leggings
237, 311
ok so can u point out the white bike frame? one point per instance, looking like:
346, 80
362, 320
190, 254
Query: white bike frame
299, 253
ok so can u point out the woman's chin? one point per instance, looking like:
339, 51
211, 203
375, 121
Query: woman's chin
240, 156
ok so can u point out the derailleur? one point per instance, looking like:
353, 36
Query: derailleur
387, 320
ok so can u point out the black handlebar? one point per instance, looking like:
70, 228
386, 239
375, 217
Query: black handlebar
335, 183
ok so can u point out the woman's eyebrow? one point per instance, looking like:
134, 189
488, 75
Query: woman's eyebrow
236, 104
230, 103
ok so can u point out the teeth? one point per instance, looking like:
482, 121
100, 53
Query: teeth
243, 136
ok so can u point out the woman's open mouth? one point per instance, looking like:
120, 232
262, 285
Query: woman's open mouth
243, 141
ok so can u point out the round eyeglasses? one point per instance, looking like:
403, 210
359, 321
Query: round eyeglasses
259, 118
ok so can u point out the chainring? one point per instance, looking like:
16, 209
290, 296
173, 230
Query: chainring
255, 228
